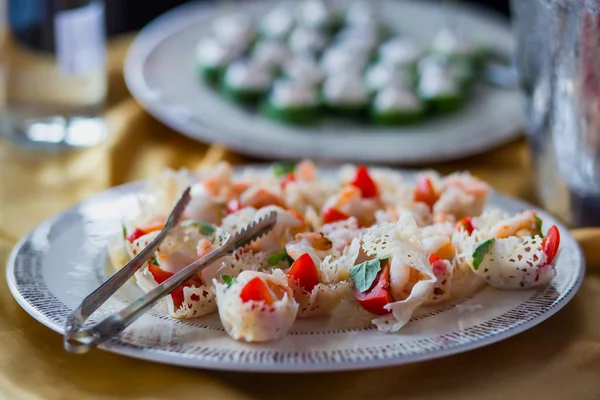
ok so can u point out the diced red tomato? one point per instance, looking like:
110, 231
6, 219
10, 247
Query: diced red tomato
160, 276
333, 215
551, 243
136, 234
304, 272
466, 223
425, 192
433, 258
362, 180
287, 179
438, 265
233, 206
378, 295
256, 290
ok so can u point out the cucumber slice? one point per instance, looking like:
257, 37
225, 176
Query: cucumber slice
291, 115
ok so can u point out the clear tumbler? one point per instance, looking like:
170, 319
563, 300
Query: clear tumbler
53, 66
558, 59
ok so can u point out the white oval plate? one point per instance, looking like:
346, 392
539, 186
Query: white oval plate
64, 259
160, 73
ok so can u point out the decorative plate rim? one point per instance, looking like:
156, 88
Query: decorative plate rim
193, 360
490, 135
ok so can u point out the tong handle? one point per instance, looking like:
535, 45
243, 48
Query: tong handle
84, 339
73, 332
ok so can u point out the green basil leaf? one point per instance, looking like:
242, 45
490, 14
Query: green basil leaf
538, 223
154, 261
205, 227
124, 231
480, 251
280, 170
278, 257
228, 280
364, 274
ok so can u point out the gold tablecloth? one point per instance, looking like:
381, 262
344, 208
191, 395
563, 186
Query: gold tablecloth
558, 359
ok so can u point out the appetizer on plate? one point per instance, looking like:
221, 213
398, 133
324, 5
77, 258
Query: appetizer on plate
338, 51
366, 238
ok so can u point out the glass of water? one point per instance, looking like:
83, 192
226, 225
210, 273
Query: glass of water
558, 60
53, 63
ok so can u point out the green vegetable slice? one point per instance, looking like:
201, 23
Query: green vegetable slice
538, 223
280, 170
154, 261
480, 251
205, 227
278, 257
228, 280
364, 274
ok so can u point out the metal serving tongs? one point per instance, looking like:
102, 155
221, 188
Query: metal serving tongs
80, 339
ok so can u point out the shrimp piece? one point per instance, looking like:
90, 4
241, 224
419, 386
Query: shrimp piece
462, 195
314, 243
218, 183
237, 188
258, 197
305, 171
176, 261
523, 224
437, 239
402, 279
287, 226
350, 202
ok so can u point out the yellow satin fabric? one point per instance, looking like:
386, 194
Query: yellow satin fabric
558, 359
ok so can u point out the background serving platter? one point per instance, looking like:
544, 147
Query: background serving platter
54, 267
161, 75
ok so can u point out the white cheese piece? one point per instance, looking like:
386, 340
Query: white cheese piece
211, 53
247, 75
380, 76
307, 40
448, 42
392, 99
304, 70
235, 30
436, 82
399, 51
336, 60
315, 13
278, 23
270, 54
345, 89
290, 94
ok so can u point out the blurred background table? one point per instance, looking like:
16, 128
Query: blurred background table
559, 358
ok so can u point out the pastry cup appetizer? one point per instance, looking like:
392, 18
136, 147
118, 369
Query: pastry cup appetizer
292, 102
256, 306
510, 251
246, 81
396, 106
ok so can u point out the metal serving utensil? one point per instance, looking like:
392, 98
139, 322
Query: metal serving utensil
79, 339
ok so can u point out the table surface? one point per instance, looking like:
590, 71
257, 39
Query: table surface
558, 358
